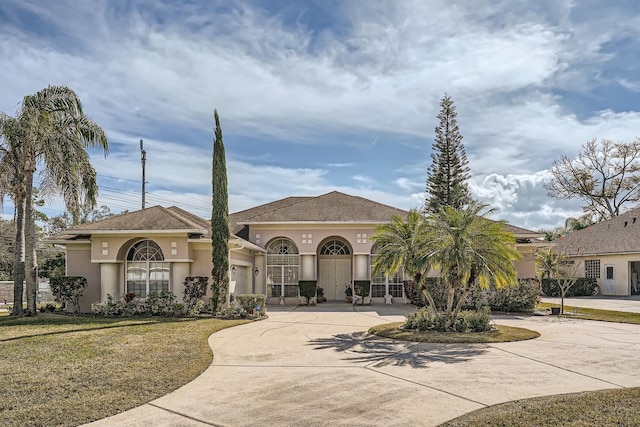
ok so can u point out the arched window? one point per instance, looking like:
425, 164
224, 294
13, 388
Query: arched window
384, 284
283, 262
146, 270
334, 247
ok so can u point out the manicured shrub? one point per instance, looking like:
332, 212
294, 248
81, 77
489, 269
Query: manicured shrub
308, 288
195, 287
160, 303
583, 287
252, 304
426, 319
67, 291
474, 320
125, 308
362, 287
519, 298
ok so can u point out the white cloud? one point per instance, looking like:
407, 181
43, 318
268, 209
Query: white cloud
382, 73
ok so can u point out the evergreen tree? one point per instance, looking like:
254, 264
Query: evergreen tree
449, 171
220, 233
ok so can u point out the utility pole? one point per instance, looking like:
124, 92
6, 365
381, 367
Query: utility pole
143, 155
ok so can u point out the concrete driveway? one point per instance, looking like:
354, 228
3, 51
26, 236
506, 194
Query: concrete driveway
318, 366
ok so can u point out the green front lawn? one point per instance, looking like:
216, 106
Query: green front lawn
501, 334
617, 407
63, 370
596, 314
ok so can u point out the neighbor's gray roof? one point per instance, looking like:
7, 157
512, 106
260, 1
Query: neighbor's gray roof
617, 235
330, 207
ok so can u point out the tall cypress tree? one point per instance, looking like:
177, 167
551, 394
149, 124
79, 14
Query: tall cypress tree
449, 170
220, 233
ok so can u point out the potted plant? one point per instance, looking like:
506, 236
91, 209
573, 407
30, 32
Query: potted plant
348, 291
321, 297
363, 290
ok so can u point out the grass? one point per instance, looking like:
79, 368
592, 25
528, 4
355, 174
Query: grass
501, 334
596, 314
63, 370
617, 407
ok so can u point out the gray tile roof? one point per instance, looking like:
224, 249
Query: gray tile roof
617, 235
153, 218
330, 207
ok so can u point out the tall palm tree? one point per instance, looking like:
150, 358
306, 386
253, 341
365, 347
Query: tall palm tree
469, 250
52, 133
403, 243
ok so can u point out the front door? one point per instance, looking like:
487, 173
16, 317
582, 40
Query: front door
609, 280
334, 275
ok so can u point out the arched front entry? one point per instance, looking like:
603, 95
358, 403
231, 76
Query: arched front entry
334, 268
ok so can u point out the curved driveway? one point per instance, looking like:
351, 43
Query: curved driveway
318, 366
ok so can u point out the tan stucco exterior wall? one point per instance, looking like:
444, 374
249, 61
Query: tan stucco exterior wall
79, 264
526, 265
110, 248
308, 238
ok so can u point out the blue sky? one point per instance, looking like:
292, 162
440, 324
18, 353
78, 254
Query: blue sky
316, 96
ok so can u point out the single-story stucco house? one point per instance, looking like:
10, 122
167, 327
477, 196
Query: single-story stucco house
273, 246
609, 252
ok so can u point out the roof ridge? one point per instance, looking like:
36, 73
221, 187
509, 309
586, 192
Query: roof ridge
306, 198
188, 215
368, 200
182, 218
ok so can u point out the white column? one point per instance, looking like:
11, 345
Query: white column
361, 267
109, 281
179, 270
308, 264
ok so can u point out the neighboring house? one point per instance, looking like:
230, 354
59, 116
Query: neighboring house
609, 252
325, 238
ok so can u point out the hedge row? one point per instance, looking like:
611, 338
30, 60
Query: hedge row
583, 287
519, 298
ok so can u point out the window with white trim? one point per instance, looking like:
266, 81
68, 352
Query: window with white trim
146, 270
592, 268
283, 262
393, 284
335, 247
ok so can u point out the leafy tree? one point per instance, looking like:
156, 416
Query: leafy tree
52, 266
467, 249
605, 176
449, 170
220, 233
50, 131
567, 260
59, 223
575, 224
